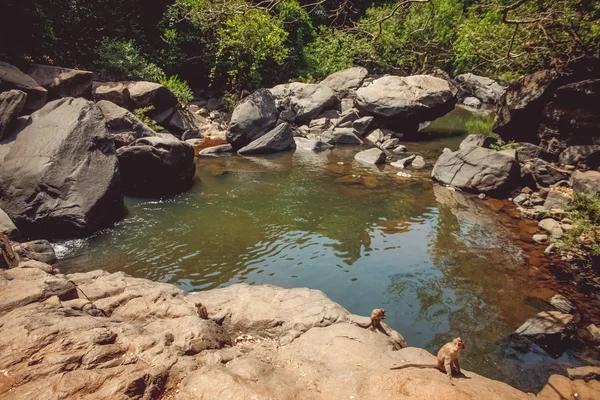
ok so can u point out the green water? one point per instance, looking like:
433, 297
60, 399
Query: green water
442, 264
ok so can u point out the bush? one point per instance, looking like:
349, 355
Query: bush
179, 88
142, 115
122, 60
583, 240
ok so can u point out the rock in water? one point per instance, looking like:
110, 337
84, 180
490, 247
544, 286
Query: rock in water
476, 169
60, 177
62, 82
545, 323
11, 77
306, 100
156, 166
11, 104
311, 144
485, 89
252, 117
216, 150
38, 250
371, 156
279, 139
413, 99
346, 80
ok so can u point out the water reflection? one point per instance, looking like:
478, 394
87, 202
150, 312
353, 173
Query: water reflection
442, 264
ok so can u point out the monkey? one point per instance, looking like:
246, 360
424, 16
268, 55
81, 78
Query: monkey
201, 311
376, 316
447, 358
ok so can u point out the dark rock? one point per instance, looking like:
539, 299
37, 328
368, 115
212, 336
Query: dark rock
216, 150
529, 152
136, 94
371, 156
124, 127
307, 101
38, 250
79, 191
156, 166
477, 141
11, 104
407, 100
281, 138
546, 175
214, 104
347, 119
484, 89
62, 82
583, 154
389, 144
183, 119
252, 117
311, 144
585, 182
476, 169
362, 125
12, 78
191, 134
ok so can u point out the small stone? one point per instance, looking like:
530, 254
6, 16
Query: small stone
520, 199
594, 331
549, 249
401, 149
561, 303
526, 190
371, 156
403, 162
540, 238
403, 174
482, 196
418, 162
552, 226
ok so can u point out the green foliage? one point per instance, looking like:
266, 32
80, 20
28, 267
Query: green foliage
179, 88
142, 115
583, 240
501, 145
122, 60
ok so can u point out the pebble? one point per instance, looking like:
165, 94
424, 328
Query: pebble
404, 174
481, 196
540, 238
561, 303
549, 249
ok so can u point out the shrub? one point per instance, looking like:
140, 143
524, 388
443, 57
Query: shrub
142, 115
122, 60
179, 88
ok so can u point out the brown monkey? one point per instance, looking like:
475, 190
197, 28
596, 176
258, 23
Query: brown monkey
446, 359
201, 311
376, 316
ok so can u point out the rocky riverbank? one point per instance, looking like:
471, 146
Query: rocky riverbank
106, 336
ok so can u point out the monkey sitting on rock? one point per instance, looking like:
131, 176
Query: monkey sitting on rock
376, 316
447, 358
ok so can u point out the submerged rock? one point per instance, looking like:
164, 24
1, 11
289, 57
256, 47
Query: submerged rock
546, 323
156, 166
60, 177
311, 144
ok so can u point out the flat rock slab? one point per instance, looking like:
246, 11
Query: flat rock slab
62, 82
545, 323
281, 138
371, 156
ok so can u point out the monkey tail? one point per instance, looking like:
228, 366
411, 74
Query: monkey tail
364, 325
414, 366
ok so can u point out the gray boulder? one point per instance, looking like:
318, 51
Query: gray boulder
60, 177
376, 137
124, 127
585, 182
346, 80
362, 125
341, 136
11, 77
306, 100
485, 89
413, 99
582, 154
156, 166
546, 174
38, 250
472, 102
62, 82
347, 119
311, 144
477, 169
557, 199
11, 104
478, 140
183, 119
418, 163
390, 144
529, 152
546, 323
8, 227
216, 150
136, 94
253, 117
371, 156
281, 138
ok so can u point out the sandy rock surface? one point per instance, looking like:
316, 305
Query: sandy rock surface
110, 336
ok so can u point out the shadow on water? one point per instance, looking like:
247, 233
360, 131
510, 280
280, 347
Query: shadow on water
441, 263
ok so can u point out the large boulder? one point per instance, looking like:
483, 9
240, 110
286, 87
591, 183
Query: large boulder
571, 117
371, 156
11, 104
476, 169
38, 250
60, 177
485, 89
124, 127
346, 80
305, 100
341, 136
477, 140
583, 154
253, 117
587, 183
156, 166
62, 82
546, 174
11, 77
136, 94
410, 99
281, 138
184, 119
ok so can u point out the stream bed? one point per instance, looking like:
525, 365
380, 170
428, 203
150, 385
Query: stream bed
441, 263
